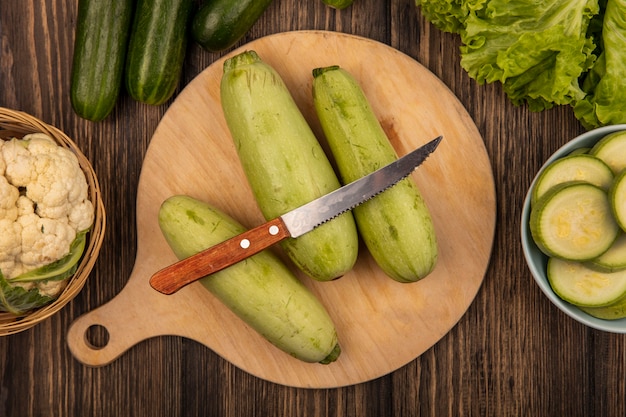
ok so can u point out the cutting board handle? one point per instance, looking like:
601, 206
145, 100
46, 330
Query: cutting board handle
126, 318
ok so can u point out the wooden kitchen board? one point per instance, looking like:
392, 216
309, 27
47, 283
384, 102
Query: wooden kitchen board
382, 324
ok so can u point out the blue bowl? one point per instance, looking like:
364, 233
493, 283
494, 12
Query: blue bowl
537, 260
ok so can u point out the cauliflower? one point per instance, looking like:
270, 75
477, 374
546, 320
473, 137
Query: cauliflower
44, 215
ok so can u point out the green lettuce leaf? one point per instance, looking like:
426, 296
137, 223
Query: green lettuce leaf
448, 15
537, 50
17, 300
605, 83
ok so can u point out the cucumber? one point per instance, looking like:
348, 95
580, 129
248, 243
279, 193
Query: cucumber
285, 165
584, 287
156, 49
100, 43
260, 290
612, 150
219, 24
573, 221
396, 225
617, 196
581, 167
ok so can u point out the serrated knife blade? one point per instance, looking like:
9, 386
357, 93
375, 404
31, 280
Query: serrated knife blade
290, 225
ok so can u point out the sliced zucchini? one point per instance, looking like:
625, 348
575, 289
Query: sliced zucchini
573, 221
614, 259
612, 150
617, 196
613, 312
577, 167
577, 284
579, 151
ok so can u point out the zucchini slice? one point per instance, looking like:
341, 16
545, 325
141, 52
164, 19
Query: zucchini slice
612, 150
617, 196
612, 312
614, 259
584, 287
573, 221
577, 167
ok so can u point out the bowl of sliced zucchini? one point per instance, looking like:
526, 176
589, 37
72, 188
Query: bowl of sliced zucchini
573, 228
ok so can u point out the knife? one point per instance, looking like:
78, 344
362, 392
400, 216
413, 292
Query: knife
290, 225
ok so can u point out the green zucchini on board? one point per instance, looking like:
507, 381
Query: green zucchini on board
284, 163
396, 225
156, 49
219, 24
260, 290
100, 44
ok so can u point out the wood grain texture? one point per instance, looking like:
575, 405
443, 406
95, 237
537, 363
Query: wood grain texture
511, 354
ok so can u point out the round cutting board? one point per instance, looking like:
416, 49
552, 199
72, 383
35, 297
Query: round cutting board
382, 324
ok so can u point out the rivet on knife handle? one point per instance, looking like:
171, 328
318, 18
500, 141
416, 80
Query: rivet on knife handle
172, 278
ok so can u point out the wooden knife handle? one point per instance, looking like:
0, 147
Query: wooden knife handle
172, 278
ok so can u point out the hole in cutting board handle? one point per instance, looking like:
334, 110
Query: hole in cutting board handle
96, 337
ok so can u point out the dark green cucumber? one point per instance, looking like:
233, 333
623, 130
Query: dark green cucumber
219, 24
157, 48
260, 290
100, 43
396, 225
285, 164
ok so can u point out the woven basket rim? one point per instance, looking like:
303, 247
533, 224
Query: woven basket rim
15, 123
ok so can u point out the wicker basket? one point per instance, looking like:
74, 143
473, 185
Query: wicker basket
17, 124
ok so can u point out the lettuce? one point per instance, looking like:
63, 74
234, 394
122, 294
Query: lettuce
605, 84
449, 15
537, 50
545, 53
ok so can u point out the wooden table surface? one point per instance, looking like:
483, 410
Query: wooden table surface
512, 354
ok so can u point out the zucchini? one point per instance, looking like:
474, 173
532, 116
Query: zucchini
260, 290
396, 225
573, 221
100, 43
614, 259
617, 196
585, 287
581, 167
219, 24
156, 49
284, 163
612, 150
614, 311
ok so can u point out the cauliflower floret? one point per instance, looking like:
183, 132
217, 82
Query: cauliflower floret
8, 200
25, 206
51, 176
44, 240
10, 247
